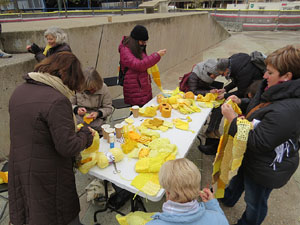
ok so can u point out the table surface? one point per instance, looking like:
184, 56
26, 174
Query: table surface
183, 140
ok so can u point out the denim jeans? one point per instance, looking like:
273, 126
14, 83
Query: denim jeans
256, 198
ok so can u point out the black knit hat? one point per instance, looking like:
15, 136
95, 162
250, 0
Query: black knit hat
139, 33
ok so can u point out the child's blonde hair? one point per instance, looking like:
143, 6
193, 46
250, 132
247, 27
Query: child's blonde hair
181, 178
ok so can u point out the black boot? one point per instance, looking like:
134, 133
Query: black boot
210, 147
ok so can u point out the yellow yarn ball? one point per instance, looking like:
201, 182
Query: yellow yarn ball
117, 153
102, 160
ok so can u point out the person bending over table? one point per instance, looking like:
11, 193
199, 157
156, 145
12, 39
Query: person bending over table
94, 100
271, 157
181, 180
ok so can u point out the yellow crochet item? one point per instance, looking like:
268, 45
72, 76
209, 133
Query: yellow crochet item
144, 152
117, 153
102, 160
148, 111
88, 161
94, 146
180, 124
151, 133
129, 145
129, 120
230, 153
3, 177
147, 183
86, 119
88, 155
208, 97
134, 218
155, 74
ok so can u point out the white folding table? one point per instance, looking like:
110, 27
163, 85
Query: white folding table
183, 140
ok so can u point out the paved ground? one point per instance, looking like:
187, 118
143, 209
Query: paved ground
284, 204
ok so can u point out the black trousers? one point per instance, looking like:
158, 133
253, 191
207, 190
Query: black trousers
215, 119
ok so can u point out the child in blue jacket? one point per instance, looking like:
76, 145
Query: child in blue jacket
181, 180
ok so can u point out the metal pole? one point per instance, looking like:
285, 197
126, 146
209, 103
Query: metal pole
122, 6
66, 12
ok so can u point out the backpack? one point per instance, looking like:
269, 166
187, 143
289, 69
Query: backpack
121, 75
258, 59
183, 84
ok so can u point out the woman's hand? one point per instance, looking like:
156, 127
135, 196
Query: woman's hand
93, 115
235, 99
221, 91
81, 111
206, 195
228, 112
162, 52
220, 96
213, 91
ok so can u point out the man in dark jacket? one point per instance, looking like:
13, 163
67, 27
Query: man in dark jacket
242, 72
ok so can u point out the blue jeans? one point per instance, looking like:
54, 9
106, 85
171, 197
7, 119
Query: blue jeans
256, 198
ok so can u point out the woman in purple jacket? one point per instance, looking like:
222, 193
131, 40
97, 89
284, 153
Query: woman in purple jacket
135, 61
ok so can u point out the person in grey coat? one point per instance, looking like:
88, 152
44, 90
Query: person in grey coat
95, 100
200, 82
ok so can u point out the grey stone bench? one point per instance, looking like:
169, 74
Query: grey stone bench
149, 6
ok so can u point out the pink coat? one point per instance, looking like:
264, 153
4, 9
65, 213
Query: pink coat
137, 83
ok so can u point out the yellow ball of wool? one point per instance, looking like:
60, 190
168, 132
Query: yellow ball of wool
117, 153
102, 160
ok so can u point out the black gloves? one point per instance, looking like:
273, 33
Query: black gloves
34, 48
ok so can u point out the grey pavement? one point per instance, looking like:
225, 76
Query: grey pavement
284, 203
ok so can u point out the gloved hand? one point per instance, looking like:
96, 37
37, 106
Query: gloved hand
34, 48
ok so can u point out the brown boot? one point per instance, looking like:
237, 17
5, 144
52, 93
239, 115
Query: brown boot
217, 133
211, 135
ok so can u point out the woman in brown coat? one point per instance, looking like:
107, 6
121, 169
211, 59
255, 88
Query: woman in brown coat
94, 100
41, 185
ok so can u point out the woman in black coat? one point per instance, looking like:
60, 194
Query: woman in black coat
271, 157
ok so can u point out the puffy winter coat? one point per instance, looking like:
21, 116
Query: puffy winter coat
242, 72
57, 48
41, 186
99, 101
279, 123
137, 82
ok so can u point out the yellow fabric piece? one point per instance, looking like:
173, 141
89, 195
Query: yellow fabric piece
156, 75
151, 133
230, 153
135, 218
149, 165
84, 168
90, 153
148, 111
87, 120
3, 177
182, 125
46, 49
129, 120
94, 146
156, 124
147, 183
